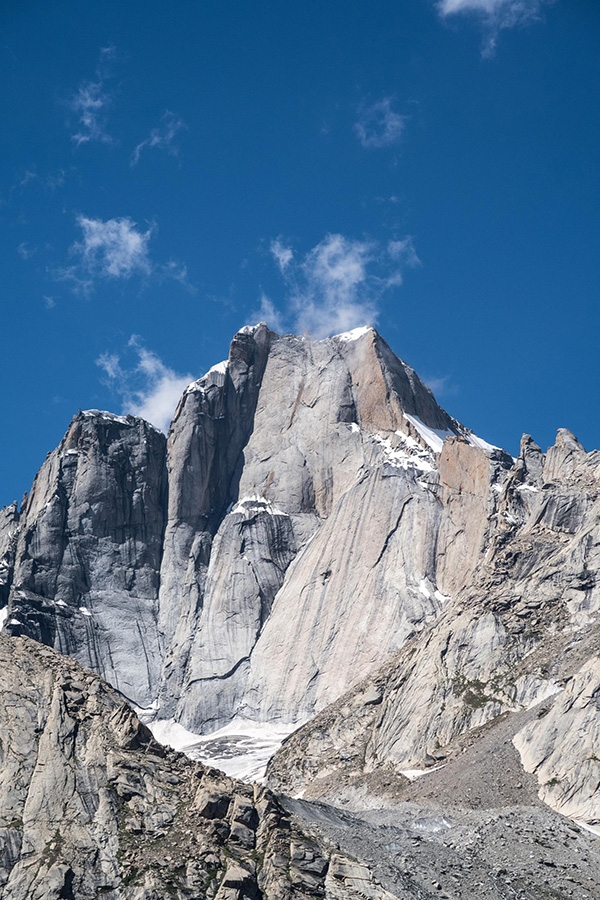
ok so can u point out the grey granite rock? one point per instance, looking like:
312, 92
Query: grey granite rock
87, 558
91, 806
521, 633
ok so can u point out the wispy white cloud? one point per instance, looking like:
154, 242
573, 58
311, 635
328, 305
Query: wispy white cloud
25, 251
379, 125
177, 271
146, 387
494, 15
282, 254
116, 249
338, 284
161, 138
91, 103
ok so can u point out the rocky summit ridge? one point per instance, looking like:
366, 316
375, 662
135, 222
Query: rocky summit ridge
316, 547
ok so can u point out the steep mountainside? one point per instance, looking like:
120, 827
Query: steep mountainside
296, 469
319, 542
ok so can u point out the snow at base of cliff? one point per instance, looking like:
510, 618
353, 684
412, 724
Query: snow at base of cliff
241, 749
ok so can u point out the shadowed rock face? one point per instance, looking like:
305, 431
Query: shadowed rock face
86, 558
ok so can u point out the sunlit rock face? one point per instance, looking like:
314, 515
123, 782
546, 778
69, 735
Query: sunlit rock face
304, 520
318, 554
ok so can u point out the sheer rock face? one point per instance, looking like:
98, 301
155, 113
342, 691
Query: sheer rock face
334, 458
310, 530
561, 747
521, 633
88, 550
318, 528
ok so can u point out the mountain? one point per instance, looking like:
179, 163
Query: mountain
317, 547
296, 468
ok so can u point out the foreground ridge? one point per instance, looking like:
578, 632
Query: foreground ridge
91, 806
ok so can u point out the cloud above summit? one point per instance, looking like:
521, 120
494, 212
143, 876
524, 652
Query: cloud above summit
339, 283
115, 249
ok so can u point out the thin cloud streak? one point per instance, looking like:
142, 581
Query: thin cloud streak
161, 138
91, 103
147, 388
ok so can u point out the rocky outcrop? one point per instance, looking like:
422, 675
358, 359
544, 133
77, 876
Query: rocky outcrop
87, 557
90, 805
561, 747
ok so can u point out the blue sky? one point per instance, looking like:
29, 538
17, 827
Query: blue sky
171, 172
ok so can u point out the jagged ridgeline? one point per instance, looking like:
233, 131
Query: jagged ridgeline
317, 537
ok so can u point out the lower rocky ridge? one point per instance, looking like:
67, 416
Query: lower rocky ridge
91, 805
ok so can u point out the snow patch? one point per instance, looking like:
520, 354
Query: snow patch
241, 749
60, 603
255, 503
479, 442
121, 420
424, 589
429, 590
220, 368
3, 617
14, 622
409, 456
110, 417
413, 774
214, 377
348, 336
85, 612
433, 437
